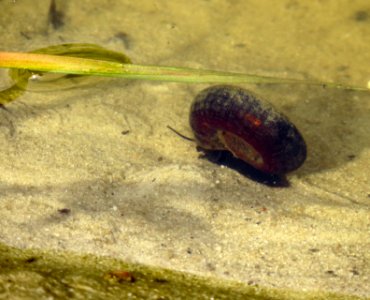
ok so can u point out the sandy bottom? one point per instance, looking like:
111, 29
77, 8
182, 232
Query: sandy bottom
96, 170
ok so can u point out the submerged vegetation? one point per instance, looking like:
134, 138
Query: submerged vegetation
21, 76
62, 275
74, 60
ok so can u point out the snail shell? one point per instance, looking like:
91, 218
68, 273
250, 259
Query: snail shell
230, 118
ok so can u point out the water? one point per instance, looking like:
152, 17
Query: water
138, 192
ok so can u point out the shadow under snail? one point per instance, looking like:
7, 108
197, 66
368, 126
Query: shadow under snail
226, 117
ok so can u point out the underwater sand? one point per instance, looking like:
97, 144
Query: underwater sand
138, 192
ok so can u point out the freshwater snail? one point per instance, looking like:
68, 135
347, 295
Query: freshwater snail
231, 118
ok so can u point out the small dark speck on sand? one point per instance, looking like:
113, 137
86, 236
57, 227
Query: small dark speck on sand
64, 211
361, 16
56, 15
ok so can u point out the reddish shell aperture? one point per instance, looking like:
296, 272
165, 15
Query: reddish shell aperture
231, 118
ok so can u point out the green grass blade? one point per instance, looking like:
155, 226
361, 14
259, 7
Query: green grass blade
93, 60
84, 66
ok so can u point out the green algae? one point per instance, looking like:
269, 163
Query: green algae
36, 274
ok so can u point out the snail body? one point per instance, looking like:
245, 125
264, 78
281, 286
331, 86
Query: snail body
231, 118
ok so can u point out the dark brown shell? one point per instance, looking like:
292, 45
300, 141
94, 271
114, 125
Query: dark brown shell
231, 118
